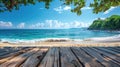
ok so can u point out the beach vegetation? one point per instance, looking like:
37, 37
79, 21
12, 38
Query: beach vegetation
110, 23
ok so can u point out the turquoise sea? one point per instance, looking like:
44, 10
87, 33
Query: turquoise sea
20, 35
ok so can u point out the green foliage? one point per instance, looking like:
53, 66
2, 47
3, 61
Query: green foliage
103, 5
98, 5
9, 5
111, 23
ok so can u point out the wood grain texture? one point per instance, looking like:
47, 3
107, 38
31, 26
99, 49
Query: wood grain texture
12, 55
33, 60
68, 59
87, 60
16, 61
51, 59
62, 57
100, 57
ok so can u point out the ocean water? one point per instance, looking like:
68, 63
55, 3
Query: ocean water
20, 35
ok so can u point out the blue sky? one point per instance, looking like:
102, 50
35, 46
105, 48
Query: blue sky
57, 16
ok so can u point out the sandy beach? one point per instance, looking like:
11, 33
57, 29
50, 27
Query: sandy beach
60, 42
85, 43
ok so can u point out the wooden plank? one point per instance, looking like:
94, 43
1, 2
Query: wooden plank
4, 53
51, 59
68, 59
109, 51
64, 57
111, 57
9, 50
113, 49
57, 58
117, 48
102, 59
12, 55
34, 60
16, 61
87, 60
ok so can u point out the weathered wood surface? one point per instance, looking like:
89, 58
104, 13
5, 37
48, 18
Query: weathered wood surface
60, 57
51, 59
8, 56
34, 60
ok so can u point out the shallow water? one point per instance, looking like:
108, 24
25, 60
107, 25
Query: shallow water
14, 35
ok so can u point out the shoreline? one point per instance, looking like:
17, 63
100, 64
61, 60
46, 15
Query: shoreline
66, 42
63, 44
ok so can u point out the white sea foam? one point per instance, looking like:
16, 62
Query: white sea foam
115, 38
6, 40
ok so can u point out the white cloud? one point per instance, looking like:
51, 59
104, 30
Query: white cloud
67, 8
60, 9
86, 8
112, 8
5, 24
21, 25
55, 24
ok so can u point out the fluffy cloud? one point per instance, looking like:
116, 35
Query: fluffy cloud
55, 24
67, 8
86, 8
60, 9
112, 8
47, 24
21, 25
5, 24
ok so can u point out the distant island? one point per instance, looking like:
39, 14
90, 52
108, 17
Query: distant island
110, 23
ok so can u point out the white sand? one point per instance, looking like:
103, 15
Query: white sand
101, 41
